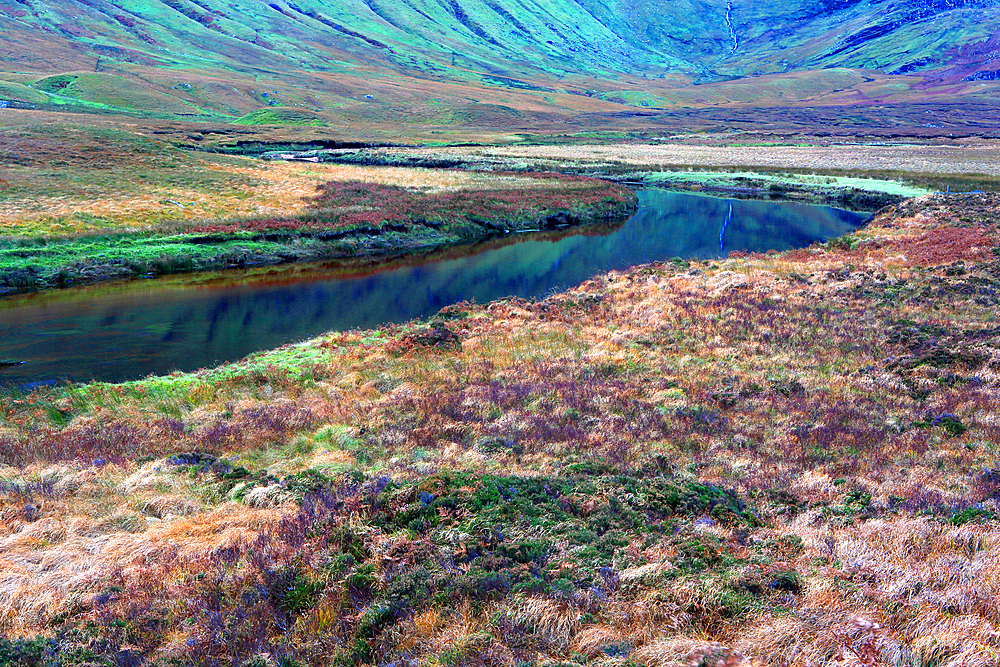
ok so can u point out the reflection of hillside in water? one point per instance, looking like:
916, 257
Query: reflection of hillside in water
695, 221
157, 326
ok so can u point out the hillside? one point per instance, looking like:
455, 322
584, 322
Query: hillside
211, 60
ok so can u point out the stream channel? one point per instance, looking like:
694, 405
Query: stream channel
127, 330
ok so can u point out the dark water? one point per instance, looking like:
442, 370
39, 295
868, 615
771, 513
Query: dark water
129, 330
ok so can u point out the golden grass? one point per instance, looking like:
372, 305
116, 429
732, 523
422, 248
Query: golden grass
220, 189
50, 563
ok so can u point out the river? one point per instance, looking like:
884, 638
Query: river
127, 330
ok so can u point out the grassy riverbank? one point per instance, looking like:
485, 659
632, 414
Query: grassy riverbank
87, 202
345, 219
781, 459
111, 204
836, 189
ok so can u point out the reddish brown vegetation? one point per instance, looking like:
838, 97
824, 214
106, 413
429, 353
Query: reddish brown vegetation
942, 245
348, 205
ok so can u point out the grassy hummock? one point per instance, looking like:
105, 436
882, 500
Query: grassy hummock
280, 116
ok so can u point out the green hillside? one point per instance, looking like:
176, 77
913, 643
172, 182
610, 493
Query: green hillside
206, 59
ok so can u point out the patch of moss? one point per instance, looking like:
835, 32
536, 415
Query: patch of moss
281, 116
36, 652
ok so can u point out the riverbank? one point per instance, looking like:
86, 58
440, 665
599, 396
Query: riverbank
850, 192
859, 175
762, 460
84, 204
350, 217
126, 330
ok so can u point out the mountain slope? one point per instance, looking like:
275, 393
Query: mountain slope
562, 36
215, 58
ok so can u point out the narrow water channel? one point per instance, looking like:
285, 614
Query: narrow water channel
115, 332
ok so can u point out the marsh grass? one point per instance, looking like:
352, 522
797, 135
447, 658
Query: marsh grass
868, 160
66, 181
859, 176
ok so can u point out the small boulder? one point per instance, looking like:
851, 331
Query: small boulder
726, 280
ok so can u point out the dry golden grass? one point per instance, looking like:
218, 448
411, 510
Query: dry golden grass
51, 562
215, 188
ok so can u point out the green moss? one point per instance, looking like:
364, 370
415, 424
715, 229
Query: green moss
971, 515
47, 263
280, 116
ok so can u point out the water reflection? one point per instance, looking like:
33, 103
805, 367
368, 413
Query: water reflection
133, 329
722, 234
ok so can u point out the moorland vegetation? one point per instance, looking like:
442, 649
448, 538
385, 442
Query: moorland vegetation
780, 459
788, 459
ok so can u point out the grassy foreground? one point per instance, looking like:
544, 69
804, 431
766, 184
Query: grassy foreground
782, 459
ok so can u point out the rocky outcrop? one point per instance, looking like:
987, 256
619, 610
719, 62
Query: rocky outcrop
984, 75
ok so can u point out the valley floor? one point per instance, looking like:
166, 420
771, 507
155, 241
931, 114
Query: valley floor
853, 173
88, 201
968, 156
781, 459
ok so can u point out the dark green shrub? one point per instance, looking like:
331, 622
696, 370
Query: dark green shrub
790, 581
36, 652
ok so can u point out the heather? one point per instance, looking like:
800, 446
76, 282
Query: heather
779, 459
344, 207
